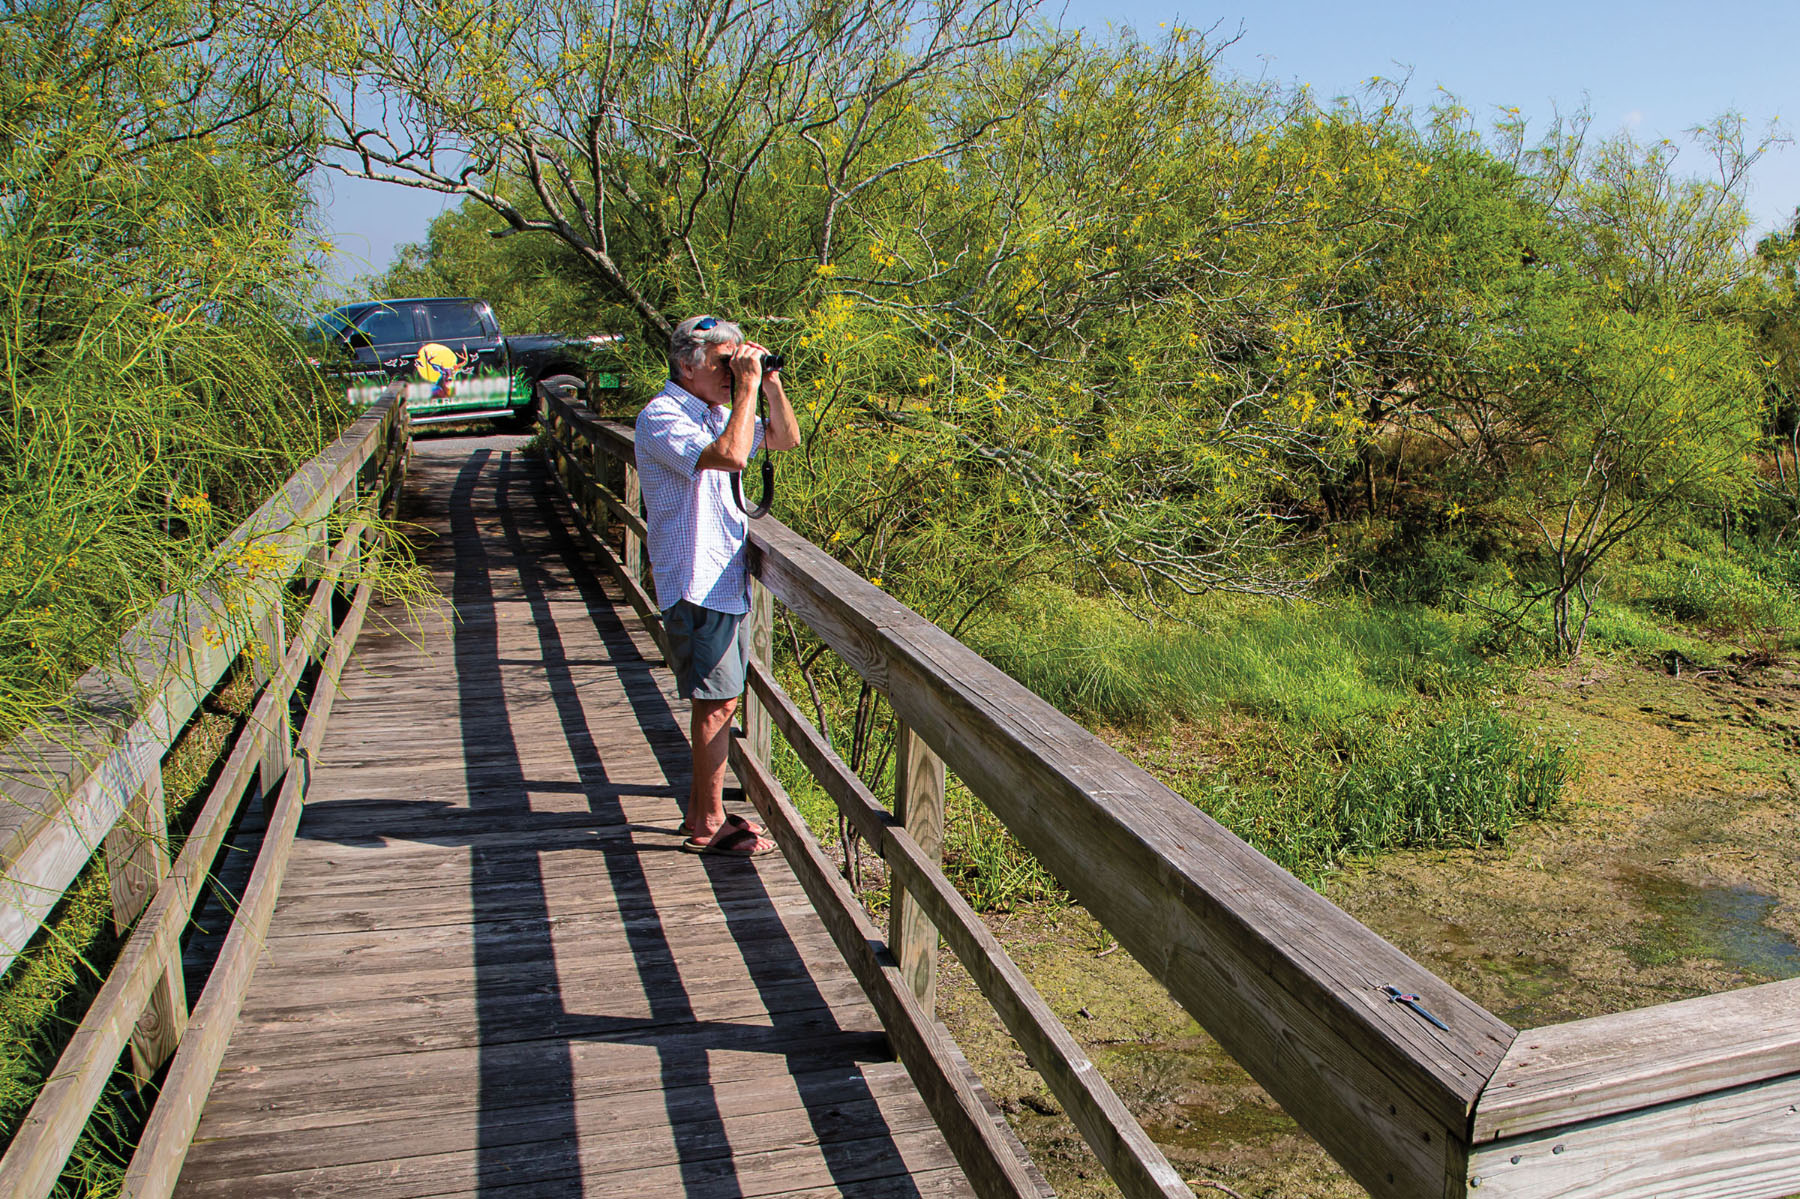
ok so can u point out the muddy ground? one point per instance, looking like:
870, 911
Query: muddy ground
1669, 871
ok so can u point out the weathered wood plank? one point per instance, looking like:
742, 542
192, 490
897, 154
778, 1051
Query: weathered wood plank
267, 1101
137, 861
985, 1156
1740, 1143
762, 650
610, 986
1286, 981
919, 806
1606, 1065
498, 1015
156, 1164
629, 574
608, 1169
638, 1120
592, 488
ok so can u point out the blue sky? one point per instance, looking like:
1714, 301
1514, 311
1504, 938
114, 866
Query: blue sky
1655, 68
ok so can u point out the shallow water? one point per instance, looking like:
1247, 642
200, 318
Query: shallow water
1726, 923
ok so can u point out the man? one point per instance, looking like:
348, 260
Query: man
690, 438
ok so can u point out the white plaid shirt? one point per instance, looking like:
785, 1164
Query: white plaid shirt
696, 537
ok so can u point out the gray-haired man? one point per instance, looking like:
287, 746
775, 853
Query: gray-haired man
699, 429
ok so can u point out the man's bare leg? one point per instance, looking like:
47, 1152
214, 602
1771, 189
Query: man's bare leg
709, 725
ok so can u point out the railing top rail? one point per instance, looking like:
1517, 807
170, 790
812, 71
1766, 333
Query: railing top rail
61, 790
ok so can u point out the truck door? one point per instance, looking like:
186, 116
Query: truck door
463, 358
384, 336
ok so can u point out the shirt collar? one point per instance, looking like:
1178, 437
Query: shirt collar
696, 407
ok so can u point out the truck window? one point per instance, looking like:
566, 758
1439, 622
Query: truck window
385, 326
456, 322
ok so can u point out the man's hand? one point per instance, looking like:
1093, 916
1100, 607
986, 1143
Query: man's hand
746, 370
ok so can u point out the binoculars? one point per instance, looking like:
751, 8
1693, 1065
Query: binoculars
772, 362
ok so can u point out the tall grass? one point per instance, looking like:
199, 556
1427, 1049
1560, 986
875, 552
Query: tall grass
1304, 665
1354, 727
1462, 778
151, 395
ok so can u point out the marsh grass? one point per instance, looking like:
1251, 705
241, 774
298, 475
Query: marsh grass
1467, 777
1305, 665
1342, 728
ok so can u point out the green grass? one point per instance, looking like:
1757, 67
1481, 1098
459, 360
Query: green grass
1353, 727
1305, 665
1462, 778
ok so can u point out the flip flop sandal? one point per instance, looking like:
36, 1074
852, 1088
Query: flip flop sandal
737, 843
687, 831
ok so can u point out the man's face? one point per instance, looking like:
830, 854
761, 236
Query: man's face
712, 382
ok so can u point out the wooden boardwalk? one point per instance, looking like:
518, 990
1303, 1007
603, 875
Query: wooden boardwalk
491, 971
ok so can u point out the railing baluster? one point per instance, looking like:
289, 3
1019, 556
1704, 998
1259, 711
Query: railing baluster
919, 804
268, 647
757, 727
137, 860
634, 545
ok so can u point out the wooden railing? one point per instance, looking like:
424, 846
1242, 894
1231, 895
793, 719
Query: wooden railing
96, 785
1294, 988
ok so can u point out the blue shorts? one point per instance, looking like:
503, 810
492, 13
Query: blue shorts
708, 651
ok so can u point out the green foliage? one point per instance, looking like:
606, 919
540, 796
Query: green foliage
1461, 778
1088, 317
1309, 666
1089, 310
1343, 729
42, 999
535, 285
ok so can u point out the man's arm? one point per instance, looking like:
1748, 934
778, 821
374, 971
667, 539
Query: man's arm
783, 430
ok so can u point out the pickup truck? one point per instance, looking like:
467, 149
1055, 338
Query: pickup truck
456, 363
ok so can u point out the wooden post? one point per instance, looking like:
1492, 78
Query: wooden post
919, 803
137, 859
599, 515
268, 648
757, 726
634, 545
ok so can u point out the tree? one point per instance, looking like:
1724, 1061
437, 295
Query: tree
1659, 417
1052, 271
1772, 312
635, 131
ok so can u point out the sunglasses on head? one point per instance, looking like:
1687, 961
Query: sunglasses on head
705, 323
